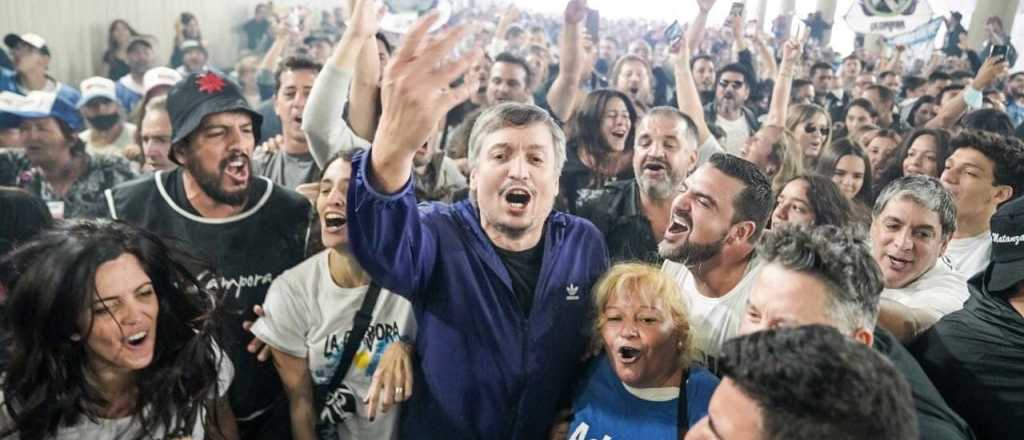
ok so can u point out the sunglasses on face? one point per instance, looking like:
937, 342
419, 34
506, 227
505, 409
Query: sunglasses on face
809, 129
725, 84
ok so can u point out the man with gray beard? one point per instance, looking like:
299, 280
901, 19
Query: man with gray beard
633, 214
709, 246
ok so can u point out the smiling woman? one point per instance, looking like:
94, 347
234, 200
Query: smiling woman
111, 336
600, 149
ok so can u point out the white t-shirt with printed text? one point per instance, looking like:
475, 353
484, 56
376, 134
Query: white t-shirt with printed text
307, 315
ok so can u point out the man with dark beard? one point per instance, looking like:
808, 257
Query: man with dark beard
633, 214
1015, 98
729, 111
709, 245
247, 229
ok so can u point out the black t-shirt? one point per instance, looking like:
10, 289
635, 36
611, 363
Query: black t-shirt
524, 270
240, 256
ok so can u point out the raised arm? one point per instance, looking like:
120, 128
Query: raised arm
739, 40
396, 246
894, 62
498, 43
686, 90
695, 33
776, 118
282, 37
951, 110
562, 95
415, 93
364, 105
766, 59
327, 132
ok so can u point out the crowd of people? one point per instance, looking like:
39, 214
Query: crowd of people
513, 226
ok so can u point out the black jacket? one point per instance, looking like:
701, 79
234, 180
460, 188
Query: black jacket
617, 213
975, 356
935, 420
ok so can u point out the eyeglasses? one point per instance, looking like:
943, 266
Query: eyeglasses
725, 84
810, 128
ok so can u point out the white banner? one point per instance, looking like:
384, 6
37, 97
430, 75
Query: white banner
920, 41
888, 18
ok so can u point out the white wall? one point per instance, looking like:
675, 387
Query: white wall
76, 30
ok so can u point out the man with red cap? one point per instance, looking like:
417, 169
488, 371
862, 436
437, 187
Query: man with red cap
247, 228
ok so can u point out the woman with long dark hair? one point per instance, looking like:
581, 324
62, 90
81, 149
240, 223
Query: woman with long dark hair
850, 169
813, 200
601, 147
119, 35
924, 152
111, 337
312, 309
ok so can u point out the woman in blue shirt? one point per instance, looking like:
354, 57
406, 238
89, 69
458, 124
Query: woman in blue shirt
633, 388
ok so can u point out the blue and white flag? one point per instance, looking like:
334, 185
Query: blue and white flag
888, 18
920, 40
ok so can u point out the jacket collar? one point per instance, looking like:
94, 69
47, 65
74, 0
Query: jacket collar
555, 226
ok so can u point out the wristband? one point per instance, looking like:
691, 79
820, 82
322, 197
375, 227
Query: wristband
973, 97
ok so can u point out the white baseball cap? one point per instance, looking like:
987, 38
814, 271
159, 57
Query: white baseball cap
97, 87
159, 76
30, 39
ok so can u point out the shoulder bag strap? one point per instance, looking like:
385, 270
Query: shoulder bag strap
683, 419
362, 322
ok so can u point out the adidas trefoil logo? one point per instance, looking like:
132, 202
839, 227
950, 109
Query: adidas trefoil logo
573, 292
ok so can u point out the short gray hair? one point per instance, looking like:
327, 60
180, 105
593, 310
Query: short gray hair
838, 257
688, 127
925, 191
512, 114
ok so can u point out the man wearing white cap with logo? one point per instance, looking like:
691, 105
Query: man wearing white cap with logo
31, 60
158, 81
108, 133
54, 165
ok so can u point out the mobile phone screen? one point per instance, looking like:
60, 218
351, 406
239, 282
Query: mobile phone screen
593, 24
999, 50
737, 9
673, 32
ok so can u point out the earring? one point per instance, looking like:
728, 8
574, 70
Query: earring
76, 337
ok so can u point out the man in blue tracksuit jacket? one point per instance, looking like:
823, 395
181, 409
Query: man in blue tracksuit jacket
501, 284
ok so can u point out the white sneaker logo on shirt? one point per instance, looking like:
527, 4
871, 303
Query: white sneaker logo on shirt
573, 292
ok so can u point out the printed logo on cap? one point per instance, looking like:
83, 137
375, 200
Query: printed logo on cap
1015, 240
36, 103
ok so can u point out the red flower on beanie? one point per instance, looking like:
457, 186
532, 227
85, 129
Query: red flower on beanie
210, 83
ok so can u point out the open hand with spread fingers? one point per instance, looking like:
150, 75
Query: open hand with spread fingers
415, 93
